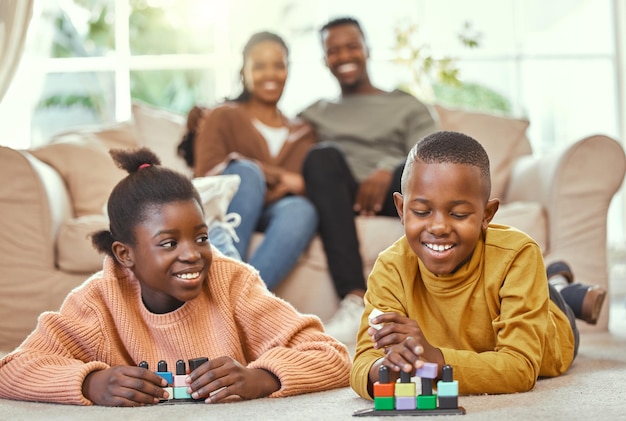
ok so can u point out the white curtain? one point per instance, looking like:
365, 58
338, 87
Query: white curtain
15, 16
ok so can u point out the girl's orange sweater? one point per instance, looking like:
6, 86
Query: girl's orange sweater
104, 323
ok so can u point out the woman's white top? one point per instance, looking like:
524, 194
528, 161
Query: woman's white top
274, 136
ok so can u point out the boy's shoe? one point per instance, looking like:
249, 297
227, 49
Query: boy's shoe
345, 323
559, 275
592, 304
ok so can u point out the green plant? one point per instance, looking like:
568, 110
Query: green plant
438, 79
473, 96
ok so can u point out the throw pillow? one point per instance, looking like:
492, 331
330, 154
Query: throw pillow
503, 138
82, 159
161, 131
216, 193
75, 253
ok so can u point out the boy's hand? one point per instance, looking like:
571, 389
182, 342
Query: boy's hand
223, 377
124, 386
405, 346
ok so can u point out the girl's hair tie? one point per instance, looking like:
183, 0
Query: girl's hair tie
142, 166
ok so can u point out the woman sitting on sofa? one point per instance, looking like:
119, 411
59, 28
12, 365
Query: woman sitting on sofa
250, 136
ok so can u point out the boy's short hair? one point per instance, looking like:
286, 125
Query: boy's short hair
448, 147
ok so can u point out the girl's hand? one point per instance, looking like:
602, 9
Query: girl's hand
224, 377
124, 386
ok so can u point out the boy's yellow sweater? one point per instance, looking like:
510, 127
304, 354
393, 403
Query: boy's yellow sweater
492, 319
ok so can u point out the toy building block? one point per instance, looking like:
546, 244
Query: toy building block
401, 402
375, 313
180, 386
196, 362
448, 389
427, 373
428, 370
405, 392
176, 385
384, 390
162, 371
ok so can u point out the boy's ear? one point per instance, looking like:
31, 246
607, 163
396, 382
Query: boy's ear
123, 254
398, 200
490, 211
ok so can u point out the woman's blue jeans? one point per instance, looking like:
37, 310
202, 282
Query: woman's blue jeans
289, 224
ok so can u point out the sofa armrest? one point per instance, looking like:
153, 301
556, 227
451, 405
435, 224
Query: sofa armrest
33, 203
575, 187
29, 224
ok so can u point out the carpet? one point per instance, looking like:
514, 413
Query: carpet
594, 387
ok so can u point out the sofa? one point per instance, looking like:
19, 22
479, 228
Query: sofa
53, 196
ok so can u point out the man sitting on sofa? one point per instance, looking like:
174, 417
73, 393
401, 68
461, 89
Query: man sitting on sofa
365, 135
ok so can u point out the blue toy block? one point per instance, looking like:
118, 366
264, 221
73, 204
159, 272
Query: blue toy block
181, 393
448, 388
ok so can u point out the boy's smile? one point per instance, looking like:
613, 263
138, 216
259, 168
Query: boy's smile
444, 211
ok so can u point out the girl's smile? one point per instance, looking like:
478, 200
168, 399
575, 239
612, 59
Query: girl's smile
172, 255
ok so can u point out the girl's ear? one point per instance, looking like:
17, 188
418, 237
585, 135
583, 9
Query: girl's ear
398, 200
123, 254
490, 211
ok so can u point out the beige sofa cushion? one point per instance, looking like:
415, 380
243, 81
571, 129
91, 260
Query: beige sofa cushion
83, 161
161, 131
75, 252
503, 138
529, 217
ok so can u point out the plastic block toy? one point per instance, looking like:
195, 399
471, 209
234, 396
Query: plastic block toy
375, 313
401, 398
176, 386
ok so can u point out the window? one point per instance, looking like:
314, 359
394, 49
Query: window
86, 60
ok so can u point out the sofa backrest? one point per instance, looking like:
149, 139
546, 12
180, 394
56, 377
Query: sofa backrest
161, 131
82, 159
504, 139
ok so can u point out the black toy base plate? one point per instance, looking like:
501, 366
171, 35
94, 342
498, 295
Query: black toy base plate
371, 412
181, 401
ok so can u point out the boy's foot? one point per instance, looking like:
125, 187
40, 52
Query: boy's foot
345, 323
592, 304
560, 268
585, 301
559, 275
